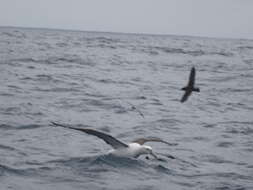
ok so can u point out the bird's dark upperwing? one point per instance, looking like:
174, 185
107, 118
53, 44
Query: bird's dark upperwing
192, 77
134, 108
116, 144
186, 95
141, 141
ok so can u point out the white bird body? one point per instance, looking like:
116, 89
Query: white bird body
133, 150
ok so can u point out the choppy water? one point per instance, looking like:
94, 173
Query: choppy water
93, 79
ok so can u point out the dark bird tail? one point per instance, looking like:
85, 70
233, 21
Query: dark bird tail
196, 89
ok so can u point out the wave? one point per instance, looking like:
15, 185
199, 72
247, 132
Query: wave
20, 127
154, 50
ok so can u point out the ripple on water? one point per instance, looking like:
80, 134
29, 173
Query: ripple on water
225, 144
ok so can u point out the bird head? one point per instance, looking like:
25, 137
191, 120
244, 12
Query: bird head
147, 149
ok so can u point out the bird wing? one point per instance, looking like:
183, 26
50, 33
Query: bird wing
116, 144
141, 141
186, 95
192, 77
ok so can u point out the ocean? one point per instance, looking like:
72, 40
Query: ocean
129, 86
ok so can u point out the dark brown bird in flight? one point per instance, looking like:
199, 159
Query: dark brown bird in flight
190, 86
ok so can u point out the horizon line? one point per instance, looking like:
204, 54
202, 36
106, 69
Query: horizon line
121, 33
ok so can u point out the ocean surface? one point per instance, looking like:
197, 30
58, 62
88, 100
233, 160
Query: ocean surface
106, 81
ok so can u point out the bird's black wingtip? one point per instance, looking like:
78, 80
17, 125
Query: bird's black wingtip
53, 123
172, 144
58, 124
182, 100
193, 70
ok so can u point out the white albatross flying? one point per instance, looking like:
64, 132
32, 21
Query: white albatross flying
120, 149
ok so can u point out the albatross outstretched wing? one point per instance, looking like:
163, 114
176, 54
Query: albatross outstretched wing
116, 144
141, 141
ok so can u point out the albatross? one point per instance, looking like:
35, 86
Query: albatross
190, 86
120, 149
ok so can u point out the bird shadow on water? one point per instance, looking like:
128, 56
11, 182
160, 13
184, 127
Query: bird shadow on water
102, 164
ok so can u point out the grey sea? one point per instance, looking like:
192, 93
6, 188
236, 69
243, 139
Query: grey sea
127, 85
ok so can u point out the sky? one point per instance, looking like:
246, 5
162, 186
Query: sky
211, 18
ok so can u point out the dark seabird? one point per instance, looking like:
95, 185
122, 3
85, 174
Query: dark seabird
190, 86
134, 108
133, 149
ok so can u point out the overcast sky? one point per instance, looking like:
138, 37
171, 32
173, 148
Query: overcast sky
214, 18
